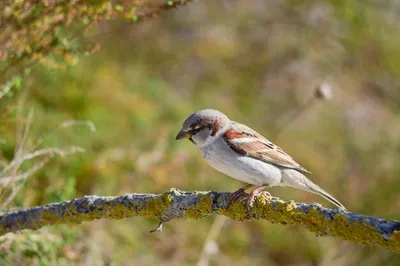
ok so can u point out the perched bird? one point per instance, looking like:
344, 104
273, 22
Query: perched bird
240, 152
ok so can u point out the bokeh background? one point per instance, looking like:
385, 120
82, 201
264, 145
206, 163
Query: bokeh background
259, 62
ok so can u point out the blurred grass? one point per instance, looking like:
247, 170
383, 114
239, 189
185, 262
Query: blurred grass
257, 62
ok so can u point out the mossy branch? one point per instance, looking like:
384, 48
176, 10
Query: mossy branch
349, 226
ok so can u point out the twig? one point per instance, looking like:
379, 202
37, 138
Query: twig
5, 180
11, 172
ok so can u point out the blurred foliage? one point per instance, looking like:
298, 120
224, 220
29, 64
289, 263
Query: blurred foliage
52, 32
257, 61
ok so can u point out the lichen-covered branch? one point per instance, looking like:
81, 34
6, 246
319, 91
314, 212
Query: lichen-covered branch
349, 226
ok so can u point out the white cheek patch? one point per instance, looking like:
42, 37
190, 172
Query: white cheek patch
204, 138
243, 140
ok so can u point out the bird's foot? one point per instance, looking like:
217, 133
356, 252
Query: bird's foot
238, 195
266, 193
255, 193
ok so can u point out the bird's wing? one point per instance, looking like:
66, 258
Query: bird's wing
248, 142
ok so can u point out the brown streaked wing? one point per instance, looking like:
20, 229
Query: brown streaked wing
261, 148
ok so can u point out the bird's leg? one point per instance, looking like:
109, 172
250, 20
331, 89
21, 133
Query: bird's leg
238, 194
253, 194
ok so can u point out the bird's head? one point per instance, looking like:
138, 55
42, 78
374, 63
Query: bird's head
204, 127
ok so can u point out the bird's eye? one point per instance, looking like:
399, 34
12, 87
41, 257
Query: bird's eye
196, 129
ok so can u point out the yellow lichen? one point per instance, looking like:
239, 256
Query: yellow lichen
205, 205
115, 210
313, 220
355, 231
290, 206
236, 211
168, 198
47, 217
202, 209
156, 207
395, 238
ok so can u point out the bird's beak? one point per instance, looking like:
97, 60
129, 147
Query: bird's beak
183, 135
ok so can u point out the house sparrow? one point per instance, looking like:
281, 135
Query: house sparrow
240, 152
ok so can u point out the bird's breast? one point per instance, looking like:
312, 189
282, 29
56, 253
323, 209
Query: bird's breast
222, 158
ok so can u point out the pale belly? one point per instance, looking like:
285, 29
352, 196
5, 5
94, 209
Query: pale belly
243, 168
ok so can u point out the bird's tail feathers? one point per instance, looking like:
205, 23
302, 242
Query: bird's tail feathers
307, 185
319, 191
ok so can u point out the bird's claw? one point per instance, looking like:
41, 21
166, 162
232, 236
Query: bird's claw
253, 195
238, 195
266, 193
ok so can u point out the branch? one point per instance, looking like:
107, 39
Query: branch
349, 226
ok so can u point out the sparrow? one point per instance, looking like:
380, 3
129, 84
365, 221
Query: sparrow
240, 152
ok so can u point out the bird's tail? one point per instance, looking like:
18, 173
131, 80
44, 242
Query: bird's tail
300, 181
313, 188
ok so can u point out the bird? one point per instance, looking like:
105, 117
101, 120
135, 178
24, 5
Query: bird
244, 154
